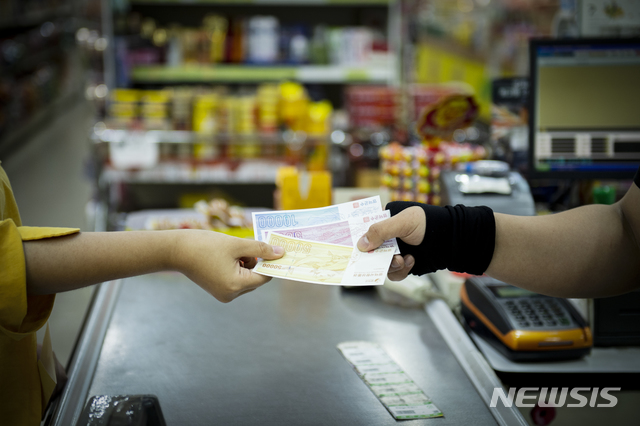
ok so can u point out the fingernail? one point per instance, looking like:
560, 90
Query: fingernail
409, 262
395, 263
278, 250
363, 243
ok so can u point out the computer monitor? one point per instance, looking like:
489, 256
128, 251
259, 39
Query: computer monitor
584, 120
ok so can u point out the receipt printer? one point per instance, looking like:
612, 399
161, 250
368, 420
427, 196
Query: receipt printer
488, 183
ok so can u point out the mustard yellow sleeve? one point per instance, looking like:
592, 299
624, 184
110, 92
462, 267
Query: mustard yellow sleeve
20, 313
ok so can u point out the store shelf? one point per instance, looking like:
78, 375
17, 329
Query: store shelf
23, 130
33, 60
242, 73
248, 172
228, 171
34, 18
336, 74
149, 136
266, 2
188, 137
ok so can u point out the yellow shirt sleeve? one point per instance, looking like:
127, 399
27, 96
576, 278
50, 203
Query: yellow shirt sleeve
22, 396
21, 313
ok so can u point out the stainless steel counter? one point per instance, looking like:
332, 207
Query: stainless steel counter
267, 358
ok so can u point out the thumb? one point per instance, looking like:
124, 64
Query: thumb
252, 248
409, 225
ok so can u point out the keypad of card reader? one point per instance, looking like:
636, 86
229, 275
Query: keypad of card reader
537, 313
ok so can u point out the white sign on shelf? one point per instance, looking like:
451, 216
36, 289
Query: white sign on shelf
138, 150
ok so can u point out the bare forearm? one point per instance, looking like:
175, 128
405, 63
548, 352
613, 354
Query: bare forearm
66, 263
585, 252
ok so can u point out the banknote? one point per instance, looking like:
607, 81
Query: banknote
345, 232
324, 263
333, 232
286, 219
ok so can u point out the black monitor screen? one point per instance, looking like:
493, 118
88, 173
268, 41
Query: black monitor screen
585, 111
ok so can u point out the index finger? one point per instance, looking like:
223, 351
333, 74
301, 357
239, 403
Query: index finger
409, 225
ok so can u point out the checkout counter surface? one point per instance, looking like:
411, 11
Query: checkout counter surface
267, 358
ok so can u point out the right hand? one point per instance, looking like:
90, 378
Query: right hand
409, 225
222, 264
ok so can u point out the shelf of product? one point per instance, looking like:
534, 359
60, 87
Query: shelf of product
102, 134
224, 172
37, 71
372, 106
267, 2
255, 48
228, 86
254, 74
412, 172
16, 14
211, 134
185, 153
29, 125
219, 111
377, 106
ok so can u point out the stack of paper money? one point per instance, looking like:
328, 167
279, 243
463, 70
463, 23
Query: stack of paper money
320, 244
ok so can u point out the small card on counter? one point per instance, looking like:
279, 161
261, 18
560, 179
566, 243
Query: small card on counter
388, 381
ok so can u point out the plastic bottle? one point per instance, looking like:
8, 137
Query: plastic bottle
263, 39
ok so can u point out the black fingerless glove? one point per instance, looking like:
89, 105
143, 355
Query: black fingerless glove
457, 238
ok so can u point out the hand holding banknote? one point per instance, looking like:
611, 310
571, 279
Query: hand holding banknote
320, 244
220, 264
409, 225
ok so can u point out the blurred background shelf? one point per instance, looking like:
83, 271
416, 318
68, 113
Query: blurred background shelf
32, 19
248, 173
255, 74
21, 133
187, 137
265, 2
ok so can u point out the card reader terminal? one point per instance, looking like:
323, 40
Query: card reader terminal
523, 325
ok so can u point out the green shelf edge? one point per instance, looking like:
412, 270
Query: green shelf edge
211, 73
267, 2
232, 73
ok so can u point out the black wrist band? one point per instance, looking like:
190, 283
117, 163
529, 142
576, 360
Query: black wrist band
458, 238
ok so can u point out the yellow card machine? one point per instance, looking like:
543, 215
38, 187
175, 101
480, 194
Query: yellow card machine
523, 325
